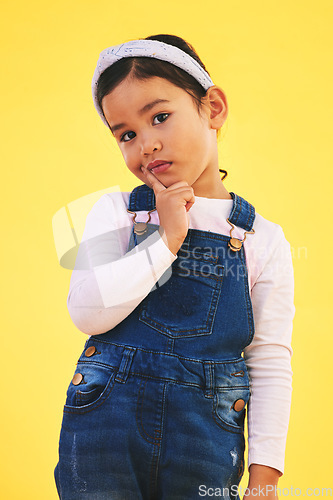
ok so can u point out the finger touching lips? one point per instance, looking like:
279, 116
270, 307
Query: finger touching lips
156, 183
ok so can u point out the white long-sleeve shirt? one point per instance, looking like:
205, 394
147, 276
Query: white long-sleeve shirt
106, 285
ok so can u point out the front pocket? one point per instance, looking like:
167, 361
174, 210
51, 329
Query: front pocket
185, 305
230, 408
96, 383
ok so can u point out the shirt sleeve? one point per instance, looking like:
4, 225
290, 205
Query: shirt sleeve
108, 282
268, 357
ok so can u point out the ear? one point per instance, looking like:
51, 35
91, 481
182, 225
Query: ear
216, 106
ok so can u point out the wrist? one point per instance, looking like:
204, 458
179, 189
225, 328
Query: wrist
172, 244
263, 474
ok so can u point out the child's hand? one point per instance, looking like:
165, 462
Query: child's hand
172, 205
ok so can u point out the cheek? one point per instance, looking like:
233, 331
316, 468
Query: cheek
127, 156
132, 162
188, 132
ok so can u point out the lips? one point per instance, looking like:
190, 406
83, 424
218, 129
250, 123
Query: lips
158, 165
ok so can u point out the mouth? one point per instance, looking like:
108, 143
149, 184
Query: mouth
158, 166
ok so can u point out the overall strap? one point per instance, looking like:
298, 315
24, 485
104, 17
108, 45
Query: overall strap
141, 198
242, 213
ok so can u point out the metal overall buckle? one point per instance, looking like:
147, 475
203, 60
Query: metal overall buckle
140, 227
234, 243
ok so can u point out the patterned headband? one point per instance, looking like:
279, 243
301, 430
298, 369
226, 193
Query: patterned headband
148, 48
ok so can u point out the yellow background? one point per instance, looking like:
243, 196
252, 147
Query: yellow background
274, 62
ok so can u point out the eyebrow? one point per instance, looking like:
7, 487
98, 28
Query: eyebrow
146, 107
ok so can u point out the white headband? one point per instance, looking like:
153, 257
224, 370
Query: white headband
148, 48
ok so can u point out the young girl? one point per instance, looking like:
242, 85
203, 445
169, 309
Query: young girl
187, 295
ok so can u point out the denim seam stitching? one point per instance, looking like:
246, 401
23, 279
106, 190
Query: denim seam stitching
248, 301
209, 320
176, 356
211, 276
128, 361
138, 416
238, 207
96, 363
153, 467
224, 425
202, 255
183, 382
250, 219
157, 448
104, 396
167, 379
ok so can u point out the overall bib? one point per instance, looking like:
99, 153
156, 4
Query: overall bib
156, 407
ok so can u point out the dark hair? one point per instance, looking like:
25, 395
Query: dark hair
146, 67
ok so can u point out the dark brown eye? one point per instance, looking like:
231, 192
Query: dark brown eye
123, 137
161, 117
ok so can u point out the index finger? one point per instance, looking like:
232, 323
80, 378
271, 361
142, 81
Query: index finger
154, 181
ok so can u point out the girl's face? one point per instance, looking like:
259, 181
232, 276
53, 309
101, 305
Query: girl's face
155, 120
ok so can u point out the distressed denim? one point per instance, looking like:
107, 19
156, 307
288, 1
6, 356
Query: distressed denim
160, 404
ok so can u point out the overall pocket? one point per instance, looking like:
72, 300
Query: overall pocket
230, 407
185, 305
89, 388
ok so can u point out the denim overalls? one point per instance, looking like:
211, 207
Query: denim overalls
156, 407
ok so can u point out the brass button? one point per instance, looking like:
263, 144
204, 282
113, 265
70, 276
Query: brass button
140, 228
235, 244
90, 351
239, 404
77, 379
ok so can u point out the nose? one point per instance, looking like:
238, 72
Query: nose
149, 144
